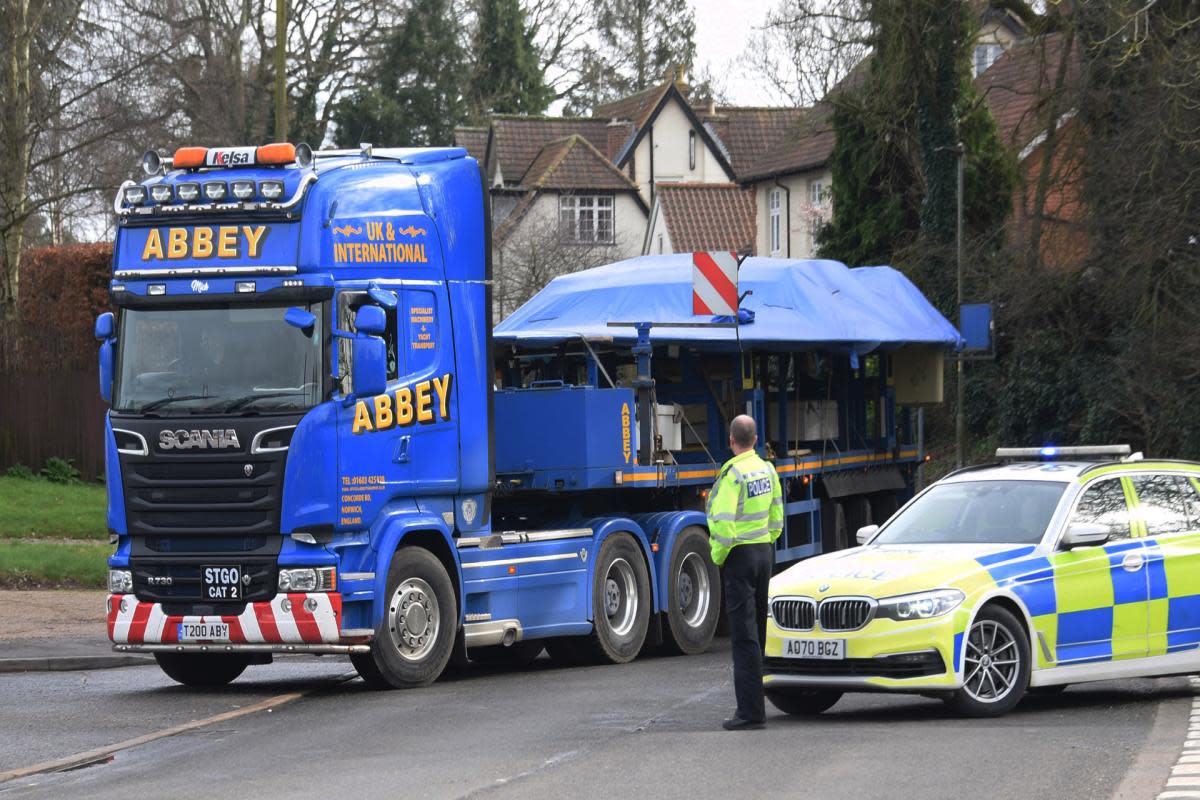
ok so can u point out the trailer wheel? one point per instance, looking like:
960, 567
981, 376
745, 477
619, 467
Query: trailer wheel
413, 642
620, 601
202, 669
693, 594
858, 515
834, 535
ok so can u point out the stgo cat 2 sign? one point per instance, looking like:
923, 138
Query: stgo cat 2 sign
185, 246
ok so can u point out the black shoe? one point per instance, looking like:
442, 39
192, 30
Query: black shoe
739, 724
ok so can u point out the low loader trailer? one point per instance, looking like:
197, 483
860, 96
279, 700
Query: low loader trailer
316, 442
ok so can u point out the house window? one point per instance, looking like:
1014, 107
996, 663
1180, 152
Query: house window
776, 203
816, 193
586, 218
660, 244
985, 56
691, 149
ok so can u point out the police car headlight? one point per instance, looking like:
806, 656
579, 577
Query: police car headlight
120, 581
921, 605
308, 579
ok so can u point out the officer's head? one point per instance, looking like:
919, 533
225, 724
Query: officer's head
743, 434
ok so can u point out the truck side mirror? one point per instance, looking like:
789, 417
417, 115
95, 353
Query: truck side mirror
369, 352
301, 319
105, 331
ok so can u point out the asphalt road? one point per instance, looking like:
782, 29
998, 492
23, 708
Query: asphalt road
650, 728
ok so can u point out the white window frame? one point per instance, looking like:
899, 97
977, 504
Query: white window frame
775, 223
581, 217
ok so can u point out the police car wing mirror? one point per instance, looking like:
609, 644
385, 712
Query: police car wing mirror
866, 533
1084, 534
301, 319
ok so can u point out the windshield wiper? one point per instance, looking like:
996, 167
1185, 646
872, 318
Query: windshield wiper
246, 400
162, 401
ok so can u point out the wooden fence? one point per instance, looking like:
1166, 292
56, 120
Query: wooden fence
44, 414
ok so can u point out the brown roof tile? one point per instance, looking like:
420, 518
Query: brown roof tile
1019, 84
807, 145
517, 141
474, 139
574, 163
636, 107
748, 134
708, 216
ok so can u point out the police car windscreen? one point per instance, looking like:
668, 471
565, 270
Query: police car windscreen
1004, 512
216, 360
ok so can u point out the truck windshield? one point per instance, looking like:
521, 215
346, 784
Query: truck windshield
1002, 512
216, 360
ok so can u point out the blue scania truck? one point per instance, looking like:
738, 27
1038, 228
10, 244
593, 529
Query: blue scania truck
316, 443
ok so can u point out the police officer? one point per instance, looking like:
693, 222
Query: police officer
745, 517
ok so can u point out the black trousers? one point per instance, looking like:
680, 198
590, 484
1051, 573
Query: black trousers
747, 573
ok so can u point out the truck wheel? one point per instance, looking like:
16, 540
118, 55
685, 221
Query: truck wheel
803, 702
202, 669
413, 642
693, 594
620, 601
996, 665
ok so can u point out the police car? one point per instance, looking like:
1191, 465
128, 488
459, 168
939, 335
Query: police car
998, 580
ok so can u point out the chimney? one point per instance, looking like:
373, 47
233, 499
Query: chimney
619, 132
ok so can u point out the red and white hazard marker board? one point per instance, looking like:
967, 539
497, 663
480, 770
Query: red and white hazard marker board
714, 283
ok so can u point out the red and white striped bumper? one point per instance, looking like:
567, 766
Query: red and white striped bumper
297, 621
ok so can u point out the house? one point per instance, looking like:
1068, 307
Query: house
648, 173
792, 181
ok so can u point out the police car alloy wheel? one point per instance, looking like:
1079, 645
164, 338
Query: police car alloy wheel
995, 665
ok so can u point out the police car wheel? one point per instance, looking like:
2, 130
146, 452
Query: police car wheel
620, 601
693, 594
414, 640
202, 669
803, 702
995, 665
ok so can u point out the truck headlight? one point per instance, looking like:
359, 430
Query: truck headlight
134, 195
921, 605
120, 581
308, 579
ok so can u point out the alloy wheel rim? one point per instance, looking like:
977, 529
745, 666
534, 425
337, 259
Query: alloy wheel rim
620, 597
413, 619
992, 662
694, 591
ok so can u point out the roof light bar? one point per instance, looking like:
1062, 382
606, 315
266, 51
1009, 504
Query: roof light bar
1051, 452
189, 157
277, 153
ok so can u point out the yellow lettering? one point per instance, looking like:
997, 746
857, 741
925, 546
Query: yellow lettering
227, 242
383, 412
424, 412
421, 254
153, 248
442, 387
202, 243
362, 418
254, 238
177, 243
404, 408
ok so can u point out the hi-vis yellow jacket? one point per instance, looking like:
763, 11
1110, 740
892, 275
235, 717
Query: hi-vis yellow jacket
745, 505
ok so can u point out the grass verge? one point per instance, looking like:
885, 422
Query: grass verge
53, 564
40, 508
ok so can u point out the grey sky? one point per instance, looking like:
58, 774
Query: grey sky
723, 29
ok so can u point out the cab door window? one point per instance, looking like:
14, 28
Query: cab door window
348, 304
1103, 503
1162, 504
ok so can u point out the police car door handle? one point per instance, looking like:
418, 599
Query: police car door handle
1133, 562
402, 450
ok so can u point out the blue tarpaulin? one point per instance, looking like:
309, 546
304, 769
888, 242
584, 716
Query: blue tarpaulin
797, 305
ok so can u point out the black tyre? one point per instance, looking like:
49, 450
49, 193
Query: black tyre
693, 594
803, 702
1049, 691
202, 669
524, 652
834, 533
858, 515
996, 665
620, 602
413, 642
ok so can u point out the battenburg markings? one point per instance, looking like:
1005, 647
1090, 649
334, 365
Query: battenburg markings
405, 406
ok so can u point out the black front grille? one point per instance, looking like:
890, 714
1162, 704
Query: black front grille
216, 497
150, 581
166, 569
907, 665
794, 614
844, 614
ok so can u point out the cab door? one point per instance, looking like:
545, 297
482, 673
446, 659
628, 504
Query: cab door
1167, 509
1102, 592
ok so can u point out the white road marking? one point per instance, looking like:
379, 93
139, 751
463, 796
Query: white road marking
1184, 782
